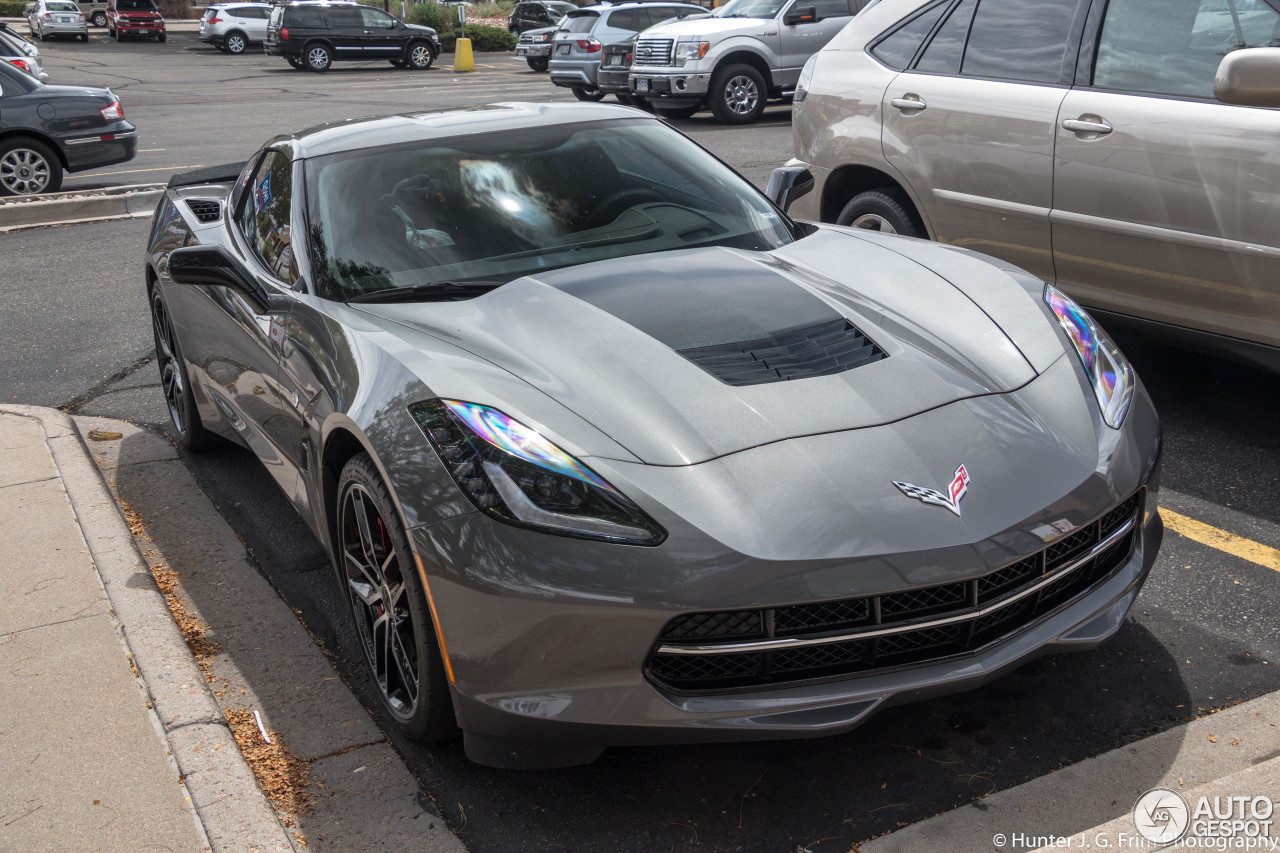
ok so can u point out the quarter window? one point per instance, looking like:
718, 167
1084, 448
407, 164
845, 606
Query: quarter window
1175, 48
1017, 40
264, 218
898, 48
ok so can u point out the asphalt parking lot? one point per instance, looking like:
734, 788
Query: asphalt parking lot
1202, 636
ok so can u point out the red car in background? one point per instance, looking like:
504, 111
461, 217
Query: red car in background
134, 18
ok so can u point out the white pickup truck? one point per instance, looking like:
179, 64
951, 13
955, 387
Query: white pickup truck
733, 61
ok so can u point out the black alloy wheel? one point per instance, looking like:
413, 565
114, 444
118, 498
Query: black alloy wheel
388, 606
174, 381
737, 94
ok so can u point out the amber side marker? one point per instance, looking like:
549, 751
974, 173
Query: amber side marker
435, 618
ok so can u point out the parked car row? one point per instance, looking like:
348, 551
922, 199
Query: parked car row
20, 53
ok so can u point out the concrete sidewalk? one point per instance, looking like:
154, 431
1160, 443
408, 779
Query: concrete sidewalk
109, 739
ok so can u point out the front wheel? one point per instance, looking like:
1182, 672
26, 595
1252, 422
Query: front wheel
161, 38
420, 56
538, 63
319, 57
737, 94
677, 112
588, 94
388, 605
236, 43
28, 167
174, 381
887, 210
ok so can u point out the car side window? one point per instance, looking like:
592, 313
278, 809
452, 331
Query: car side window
376, 19
1176, 47
946, 50
264, 215
304, 16
345, 16
899, 47
1017, 40
831, 8
623, 20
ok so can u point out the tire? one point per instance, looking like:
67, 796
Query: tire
235, 43
588, 95
887, 210
174, 381
677, 112
28, 167
388, 606
737, 94
296, 62
538, 63
43, 35
317, 57
99, 19
161, 38
84, 37
419, 56
398, 63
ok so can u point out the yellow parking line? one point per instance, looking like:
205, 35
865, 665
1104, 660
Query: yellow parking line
1236, 546
136, 171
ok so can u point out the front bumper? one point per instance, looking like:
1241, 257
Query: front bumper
148, 28
671, 86
550, 640
533, 50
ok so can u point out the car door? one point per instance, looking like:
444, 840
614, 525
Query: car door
382, 36
971, 124
231, 349
801, 40
1167, 202
252, 20
346, 31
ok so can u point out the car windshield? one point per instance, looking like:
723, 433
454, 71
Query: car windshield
749, 9
487, 207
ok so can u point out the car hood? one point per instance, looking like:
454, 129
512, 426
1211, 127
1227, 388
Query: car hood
605, 339
706, 26
418, 28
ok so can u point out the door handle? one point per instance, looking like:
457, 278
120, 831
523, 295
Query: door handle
1087, 124
909, 103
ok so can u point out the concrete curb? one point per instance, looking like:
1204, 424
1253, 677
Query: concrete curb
63, 208
232, 808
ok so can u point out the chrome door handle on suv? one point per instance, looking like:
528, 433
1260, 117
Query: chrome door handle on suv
1087, 124
909, 103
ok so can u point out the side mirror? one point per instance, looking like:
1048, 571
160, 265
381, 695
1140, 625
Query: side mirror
1249, 78
788, 183
211, 265
800, 15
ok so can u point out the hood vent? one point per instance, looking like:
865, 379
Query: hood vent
821, 350
206, 210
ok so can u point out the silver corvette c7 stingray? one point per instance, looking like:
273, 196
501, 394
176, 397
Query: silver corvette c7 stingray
609, 450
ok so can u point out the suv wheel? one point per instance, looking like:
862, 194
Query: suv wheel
887, 210
99, 19
318, 57
420, 57
235, 42
677, 112
588, 94
737, 94
537, 63
296, 62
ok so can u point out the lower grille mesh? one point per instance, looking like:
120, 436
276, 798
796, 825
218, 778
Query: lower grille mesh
850, 656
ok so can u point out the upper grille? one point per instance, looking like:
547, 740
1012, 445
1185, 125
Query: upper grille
971, 611
652, 52
821, 350
206, 210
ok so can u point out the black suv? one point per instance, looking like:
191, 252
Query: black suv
313, 35
535, 14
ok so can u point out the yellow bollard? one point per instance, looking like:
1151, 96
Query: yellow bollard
462, 58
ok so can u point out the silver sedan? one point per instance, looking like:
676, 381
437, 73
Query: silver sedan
48, 18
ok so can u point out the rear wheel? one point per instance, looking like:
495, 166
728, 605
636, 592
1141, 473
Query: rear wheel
28, 167
318, 57
235, 43
737, 94
84, 37
420, 56
99, 19
588, 94
388, 605
537, 63
398, 63
887, 210
677, 112
295, 62
174, 381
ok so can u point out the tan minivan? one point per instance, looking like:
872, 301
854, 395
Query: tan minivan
1083, 140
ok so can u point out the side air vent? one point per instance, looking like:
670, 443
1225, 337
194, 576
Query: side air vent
821, 350
206, 210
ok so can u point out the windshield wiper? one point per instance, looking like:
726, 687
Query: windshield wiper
430, 291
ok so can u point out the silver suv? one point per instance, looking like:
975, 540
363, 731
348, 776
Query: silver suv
1125, 150
732, 62
234, 26
576, 50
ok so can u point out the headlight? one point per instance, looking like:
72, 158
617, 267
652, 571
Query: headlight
806, 77
511, 472
691, 51
1108, 369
